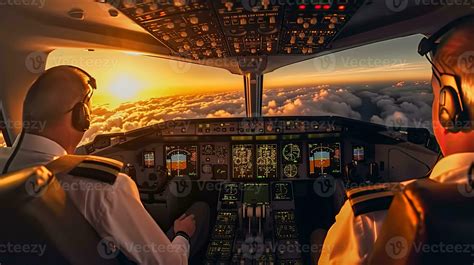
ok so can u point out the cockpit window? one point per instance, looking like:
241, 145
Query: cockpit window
386, 83
135, 91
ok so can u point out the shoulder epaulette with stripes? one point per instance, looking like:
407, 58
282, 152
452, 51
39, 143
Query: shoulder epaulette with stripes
372, 198
98, 168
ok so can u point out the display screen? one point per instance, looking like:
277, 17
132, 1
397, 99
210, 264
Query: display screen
291, 154
324, 158
358, 153
256, 193
267, 162
181, 160
242, 162
148, 159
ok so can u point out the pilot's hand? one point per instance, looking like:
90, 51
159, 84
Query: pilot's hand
185, 223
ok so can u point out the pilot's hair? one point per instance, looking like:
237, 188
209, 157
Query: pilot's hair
456, 54
51, 96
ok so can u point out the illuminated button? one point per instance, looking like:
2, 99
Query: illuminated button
200, 43
219, 53
313, 21
236, 45
293, 40
253, 50
342, 7
334, 20
301, 35
187, 47
170, 25
310, 50
196, 56
183, 34
166, 37
300, 20
272, 20
179, 3
288, 50
205, 28
214, 44
310, 40
321, 40
153, 7
265, 4
208, 53
181, 50
269, 48
304, 50
129, 3
243, 21
306, 25
194, 20
332, 26
139, 11
229, 5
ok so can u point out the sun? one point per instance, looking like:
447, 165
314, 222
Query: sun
125, 87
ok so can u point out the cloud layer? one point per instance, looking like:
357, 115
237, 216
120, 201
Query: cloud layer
393, 105
400, 104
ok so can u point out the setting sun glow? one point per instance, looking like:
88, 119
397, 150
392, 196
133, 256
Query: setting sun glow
125, 87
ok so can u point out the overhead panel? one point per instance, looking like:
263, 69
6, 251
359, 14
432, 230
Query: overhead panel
200, 29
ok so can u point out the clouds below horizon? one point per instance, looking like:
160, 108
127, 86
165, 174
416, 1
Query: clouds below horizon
402, 104
398, 105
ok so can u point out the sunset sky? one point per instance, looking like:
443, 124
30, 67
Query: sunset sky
126, 77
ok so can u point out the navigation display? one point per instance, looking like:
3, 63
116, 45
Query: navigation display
181, 160
242, 161
267, 163
291, 154
324, 158
256, 193
148, 159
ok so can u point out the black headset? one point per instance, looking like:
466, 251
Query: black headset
81, 115
454, 114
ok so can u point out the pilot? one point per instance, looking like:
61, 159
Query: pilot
352, 236
56, 107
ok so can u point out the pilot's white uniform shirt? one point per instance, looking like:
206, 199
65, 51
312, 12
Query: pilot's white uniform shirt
351, 238
115, 211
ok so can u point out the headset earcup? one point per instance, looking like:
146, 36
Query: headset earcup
81, 117
449, 111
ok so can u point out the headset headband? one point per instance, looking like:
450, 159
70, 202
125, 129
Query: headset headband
430, 44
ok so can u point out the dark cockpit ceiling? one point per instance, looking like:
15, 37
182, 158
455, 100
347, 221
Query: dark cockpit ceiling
261, 36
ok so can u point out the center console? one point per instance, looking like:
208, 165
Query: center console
255, 224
